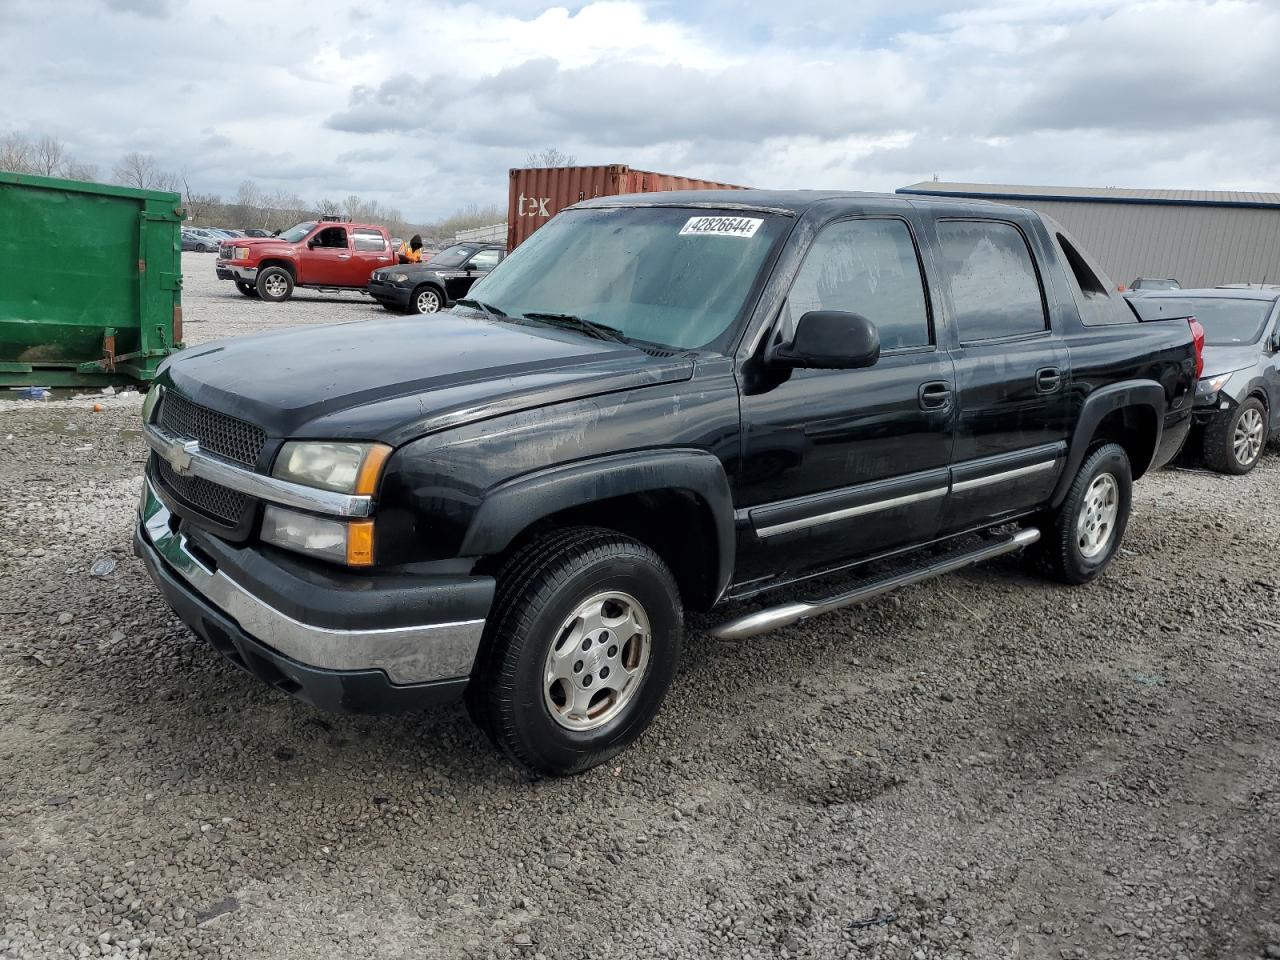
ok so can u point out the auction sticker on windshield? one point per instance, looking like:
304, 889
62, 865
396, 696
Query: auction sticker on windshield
721, 227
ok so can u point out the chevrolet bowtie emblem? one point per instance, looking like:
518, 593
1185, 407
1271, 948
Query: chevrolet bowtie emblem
178, 455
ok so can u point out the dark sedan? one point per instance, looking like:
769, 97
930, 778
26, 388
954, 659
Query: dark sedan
439, 283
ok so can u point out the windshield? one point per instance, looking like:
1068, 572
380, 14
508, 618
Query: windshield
1229, 322
294, 234
677, 277
452, 256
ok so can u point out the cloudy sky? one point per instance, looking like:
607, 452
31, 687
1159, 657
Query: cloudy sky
424, 105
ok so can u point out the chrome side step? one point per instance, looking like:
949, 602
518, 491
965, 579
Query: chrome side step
771, 618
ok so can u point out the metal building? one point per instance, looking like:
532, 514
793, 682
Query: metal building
1201, 238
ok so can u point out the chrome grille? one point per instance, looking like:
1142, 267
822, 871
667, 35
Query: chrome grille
227, 252
218, 433
210, 498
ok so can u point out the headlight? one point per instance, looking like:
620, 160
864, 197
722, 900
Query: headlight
149, 402
242, 253
399, 277
341, 467
1207, 389
342, 542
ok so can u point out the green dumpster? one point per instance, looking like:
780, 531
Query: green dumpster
90, 281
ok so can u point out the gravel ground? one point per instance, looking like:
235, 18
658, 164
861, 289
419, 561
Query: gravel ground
986, 765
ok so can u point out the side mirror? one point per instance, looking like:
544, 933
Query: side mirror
831, 340
311, 244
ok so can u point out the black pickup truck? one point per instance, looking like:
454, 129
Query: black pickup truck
657, 403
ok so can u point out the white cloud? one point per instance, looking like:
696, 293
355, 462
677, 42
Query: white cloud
423, 105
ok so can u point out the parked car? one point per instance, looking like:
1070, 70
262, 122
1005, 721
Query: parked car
438, 283
1237, 406
516, 502
255, 232
325, 254
198, 242
1155, 283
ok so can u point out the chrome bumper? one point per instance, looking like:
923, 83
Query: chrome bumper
245, 274
415, 654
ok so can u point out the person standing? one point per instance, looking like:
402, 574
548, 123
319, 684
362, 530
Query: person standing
411, 252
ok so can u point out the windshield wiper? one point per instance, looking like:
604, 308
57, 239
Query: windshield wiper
567, 320
488, 309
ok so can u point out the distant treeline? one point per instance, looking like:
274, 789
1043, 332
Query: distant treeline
251, 206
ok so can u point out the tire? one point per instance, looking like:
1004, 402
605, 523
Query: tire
1234, 444
426, 299
535, 630
247, 289
274, 284
1100, 496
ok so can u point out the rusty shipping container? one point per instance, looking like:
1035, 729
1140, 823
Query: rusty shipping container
538, 193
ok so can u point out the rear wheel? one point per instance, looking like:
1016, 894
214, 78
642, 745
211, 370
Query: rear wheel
426, 300
275, 284
247, 289
1234, 444
582, 646
1085, 532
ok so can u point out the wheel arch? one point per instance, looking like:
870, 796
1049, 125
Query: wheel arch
669, 500
287, 265
434, 285
1129, 413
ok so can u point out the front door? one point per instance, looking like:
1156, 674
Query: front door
327, 261
1013, 374
839, 465
478, 266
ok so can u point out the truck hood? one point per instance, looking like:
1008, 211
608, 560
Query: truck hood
1225, 359
396, 379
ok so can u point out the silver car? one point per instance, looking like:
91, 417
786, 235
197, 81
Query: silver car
1238, 396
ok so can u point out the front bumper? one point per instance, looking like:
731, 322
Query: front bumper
362, 658
384, 291
228, 270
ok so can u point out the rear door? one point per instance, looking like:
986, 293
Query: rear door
370, 251
326, 260
843, 464
1012, 369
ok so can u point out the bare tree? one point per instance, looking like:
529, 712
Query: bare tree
199, 205
142, 171
77, 170
328, 208
49, 156
550, 157
15, 154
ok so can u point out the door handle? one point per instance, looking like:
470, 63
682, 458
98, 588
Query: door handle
934, 395
344, 256
1048, 379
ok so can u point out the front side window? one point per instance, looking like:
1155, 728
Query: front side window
484, 260
370, 240
867, 267
677, 277
995, 291
335, 237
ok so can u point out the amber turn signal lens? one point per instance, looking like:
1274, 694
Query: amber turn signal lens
360, 543
371, 469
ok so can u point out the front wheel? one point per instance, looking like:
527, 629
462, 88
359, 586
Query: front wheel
582, 645
1233, 443
1085, 532
426, 300
275, 284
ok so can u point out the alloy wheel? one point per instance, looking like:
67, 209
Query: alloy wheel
597, 661
1246, 443
427, 301
1098, 511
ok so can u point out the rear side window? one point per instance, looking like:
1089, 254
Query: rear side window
369, 240
995, 291
868, 267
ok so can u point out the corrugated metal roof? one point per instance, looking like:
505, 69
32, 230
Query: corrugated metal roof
1005, 191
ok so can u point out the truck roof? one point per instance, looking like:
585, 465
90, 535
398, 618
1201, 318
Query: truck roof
789, 202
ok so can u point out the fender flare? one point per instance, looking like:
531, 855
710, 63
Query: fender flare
511, 507
1097, 405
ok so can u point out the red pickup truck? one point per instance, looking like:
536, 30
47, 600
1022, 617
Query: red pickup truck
325, 254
